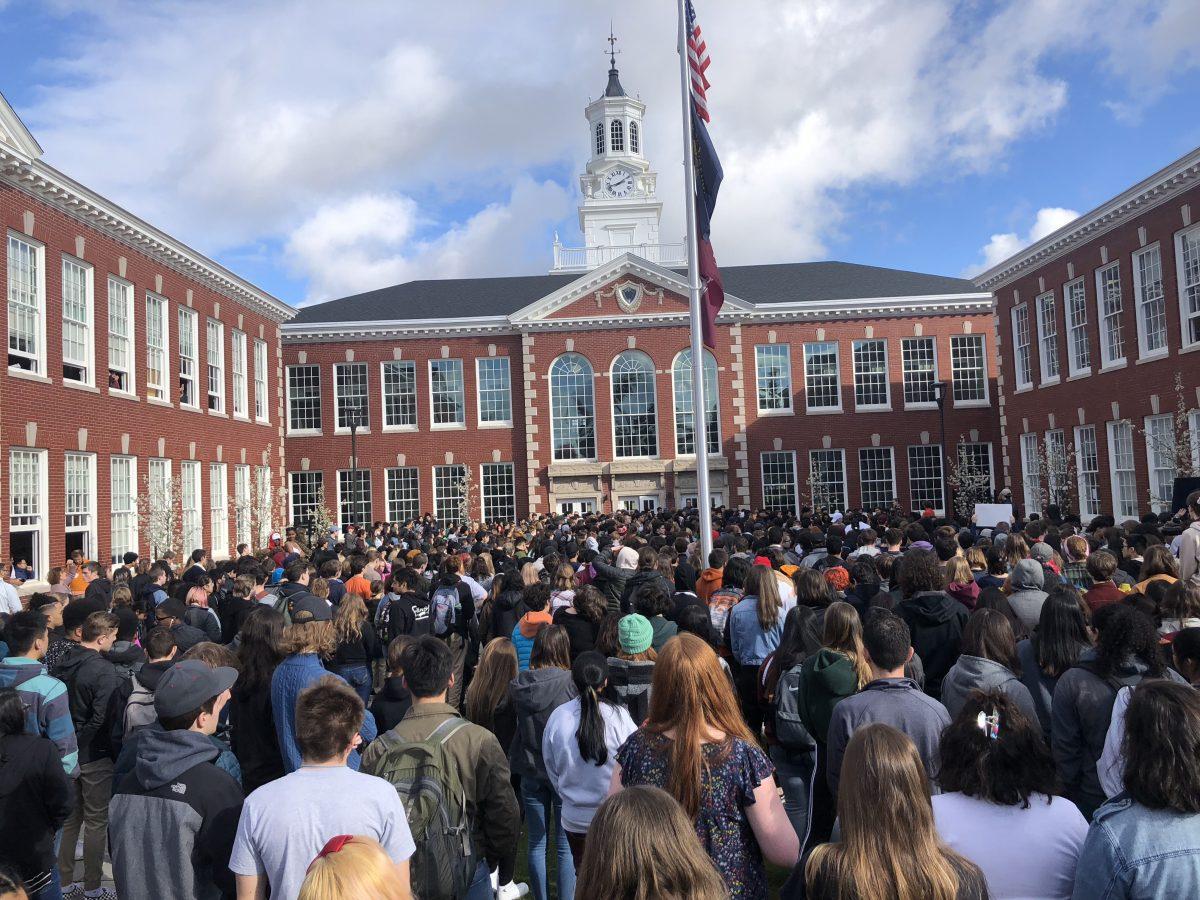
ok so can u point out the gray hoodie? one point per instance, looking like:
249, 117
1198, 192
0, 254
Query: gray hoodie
1027, 597
974, 673
536, 693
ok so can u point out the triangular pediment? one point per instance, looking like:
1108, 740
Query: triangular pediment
14, 134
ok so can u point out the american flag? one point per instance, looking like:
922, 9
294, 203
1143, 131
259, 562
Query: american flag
698, 63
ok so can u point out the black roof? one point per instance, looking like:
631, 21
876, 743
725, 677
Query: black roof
464, 298
614, 89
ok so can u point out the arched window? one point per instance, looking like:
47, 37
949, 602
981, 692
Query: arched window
633, 137
572, 408
634, 405
599, 138
685, 422
616, 138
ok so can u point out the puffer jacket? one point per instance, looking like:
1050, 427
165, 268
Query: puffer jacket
535, 694
936, 621
974, 673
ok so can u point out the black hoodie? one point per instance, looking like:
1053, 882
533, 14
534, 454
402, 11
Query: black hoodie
36, 797
391, 703
936, 621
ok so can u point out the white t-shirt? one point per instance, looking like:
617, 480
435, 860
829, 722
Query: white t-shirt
10, 600
1024, 853
285, 823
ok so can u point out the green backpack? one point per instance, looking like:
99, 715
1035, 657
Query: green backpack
428, 782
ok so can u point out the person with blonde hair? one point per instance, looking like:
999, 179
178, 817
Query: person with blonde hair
357, 644
562, 588
696, 746
487, 702
755, 629
643, 847
353, 866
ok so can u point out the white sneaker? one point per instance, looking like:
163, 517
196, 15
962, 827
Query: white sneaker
495, 877
512, 891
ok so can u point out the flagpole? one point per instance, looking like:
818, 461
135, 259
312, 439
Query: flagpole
699, 412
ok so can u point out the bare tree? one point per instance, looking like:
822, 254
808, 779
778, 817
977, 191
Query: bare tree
1174, 448
468, 497
160, 514
1054, 482
970, 477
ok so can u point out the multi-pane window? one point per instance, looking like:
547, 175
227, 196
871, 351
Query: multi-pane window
307, 491
498, 492
399, 394
779, 481
1121, 463
822, 384
572, 408
616, 136
260, 381
1161, 454
26, 305
120, 335
1079, 350
403, 493
773, 376
157, 387
238, 369
685, 419
634, 405
193, 533
304, 398
447, 393
494, 385
1112, 328
1022, 359
919, 365
77, 322
218, 506
77, 474
974, 475
871, 374
216, 366
633, 137
599, 138
1187, 262
1031, 472
968, 368
925, 483
1047, 325
827, 478
1056, 468
448, 487
877, 477
188, 351
1087, 470
123, 484
160, 494
1151, 301
354, 497
241, 504
350, 405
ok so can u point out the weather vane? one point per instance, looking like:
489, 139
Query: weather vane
612, 46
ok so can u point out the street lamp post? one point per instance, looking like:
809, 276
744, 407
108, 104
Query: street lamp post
939, 394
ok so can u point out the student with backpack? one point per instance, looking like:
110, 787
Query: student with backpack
160, 654
453, 778
452, 611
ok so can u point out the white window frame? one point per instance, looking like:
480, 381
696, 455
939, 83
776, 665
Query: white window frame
264, 503
192, 356
192, 517
384, 366
1077, 327
787, 410
986, 399
809, 409
40, 528
123, 518
682, 401
1031, 472
1056, 479
1141, 303
1047, 331
38, 273
1155, 462
438, 499
215, 370
863, 480
362, 512
795, 484
1107, 361
1123, 429
218, 505
886, 405
479, 379
160, 487
905, 371
262, 398
940, 456
237, 366
841, 457
1087, 471
160, 393
461, 422
287, 386
646, 363
1022, 352
87, 360
124, 295
400, 502
487, 471
88, 495
364, 426
573, 383
1187, 279
299, 516
1194, 431
242, 505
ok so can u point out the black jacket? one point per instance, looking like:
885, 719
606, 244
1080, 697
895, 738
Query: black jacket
203, 620
536, 693
391, 703
936, 621
357, 653
406, 613
253, 737
233, 612
640, 581
36, 797
96, 694
507, 610
685, 576
186, 637
99, 593
581, 632
610, 581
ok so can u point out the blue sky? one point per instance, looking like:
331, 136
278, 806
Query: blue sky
319, 154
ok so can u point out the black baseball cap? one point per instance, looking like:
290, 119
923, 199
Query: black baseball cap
307, 608
171, 608
188, 685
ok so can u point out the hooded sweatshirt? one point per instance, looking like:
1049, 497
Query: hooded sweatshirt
709, 581
581, 784
1026, 597
35, 800
974, 673
936, 622
826, 678
535, 694
173, 820
524, 633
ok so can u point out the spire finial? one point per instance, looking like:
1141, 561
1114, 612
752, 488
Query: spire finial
612, 46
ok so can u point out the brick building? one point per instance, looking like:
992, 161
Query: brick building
1097, 326
140, 374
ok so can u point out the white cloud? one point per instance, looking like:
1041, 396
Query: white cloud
1001, 246
449, 134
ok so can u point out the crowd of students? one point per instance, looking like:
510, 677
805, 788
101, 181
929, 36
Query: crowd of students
877, 705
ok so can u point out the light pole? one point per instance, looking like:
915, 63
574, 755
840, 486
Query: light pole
939, 394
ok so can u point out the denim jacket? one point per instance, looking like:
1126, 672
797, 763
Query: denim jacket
749, 643
1132, 851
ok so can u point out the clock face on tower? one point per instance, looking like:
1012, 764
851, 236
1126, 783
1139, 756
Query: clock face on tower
618, 183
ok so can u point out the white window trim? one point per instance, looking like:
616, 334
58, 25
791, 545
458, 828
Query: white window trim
39, 250
221, 366
790, 409
92, 530
937, 364
941, 456
1112, 467
675, 404
837, 355
1019, 384
1080, 471
320, 477
447, 426
218, 512
368, 504
266, 382
549, 376
194, 466
482, 498
133, 491
762, 475
887, 378
507, 423
242, 504
1165, 349
987, 388
89, 289
384, 426
244, 358
287, 398
41, 564
169, 371
1179, 296
1156, 506
192, 316
1107, 364
387, 497
131, 316
434, 495
337, 402
845, 475
1073, 370
1046, 380
612, 410
892, 455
